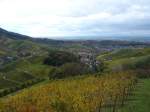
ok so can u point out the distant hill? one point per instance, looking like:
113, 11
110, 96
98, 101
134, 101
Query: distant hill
17, 45
132, 59
14, 45
12, 35
21, 57
88, 41
17, 53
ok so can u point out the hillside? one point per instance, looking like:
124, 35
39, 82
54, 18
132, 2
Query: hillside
108, 92
80, 94
20, 60
17, 52
23, 70
6, 38
74, 85
125, 53
133, 59
14, 46
18, 47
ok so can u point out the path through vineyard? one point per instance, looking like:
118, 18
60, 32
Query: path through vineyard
140, 102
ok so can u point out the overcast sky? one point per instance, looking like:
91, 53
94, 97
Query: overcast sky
45, 18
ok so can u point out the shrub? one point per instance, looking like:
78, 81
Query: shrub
69, 69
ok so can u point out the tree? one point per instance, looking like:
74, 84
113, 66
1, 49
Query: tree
58, 58
69, 69
101, 66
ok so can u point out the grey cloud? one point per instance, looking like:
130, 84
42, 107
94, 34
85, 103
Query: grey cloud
89, 17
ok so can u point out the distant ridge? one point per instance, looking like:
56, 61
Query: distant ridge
12, 35
112, 41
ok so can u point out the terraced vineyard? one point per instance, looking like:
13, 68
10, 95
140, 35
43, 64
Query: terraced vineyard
21, 74
80, 94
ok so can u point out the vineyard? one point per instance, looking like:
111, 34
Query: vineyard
79, 94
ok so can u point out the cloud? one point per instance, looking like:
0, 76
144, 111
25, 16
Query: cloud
76, 17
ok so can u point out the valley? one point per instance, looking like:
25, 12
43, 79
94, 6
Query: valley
71, 76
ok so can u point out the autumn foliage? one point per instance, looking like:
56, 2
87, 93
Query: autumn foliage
80, 94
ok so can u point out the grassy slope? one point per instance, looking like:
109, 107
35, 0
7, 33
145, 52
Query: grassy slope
125, 53
33, 65
130, 61
23, 70
141, 100
126, 56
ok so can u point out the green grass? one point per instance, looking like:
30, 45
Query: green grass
141, 101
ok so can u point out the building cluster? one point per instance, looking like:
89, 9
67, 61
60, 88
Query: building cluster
88, 58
